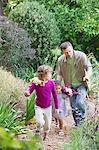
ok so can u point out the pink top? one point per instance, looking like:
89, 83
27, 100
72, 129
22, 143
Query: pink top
43, 94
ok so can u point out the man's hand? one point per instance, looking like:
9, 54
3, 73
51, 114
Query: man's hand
69, 91
27, 93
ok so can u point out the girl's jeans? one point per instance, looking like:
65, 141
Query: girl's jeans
78, 104
43, 118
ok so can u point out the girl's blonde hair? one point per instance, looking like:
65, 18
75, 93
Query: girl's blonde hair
43, 70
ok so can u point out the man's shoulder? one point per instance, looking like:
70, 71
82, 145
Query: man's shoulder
79, 54
61, 58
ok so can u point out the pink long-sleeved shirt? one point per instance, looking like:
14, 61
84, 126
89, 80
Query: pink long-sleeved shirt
43, 94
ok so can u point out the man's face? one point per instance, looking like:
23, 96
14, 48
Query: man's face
68, 52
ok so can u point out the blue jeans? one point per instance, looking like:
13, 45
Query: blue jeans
78, 104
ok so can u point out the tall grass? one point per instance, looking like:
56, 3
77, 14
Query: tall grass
11, 88
8, 118
85, 137
30, 112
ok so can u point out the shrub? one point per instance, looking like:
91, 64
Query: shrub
30, 112
11, 88
41, 26
8, 141
95, 74
86, 137
15, 47
77, 21
8, 118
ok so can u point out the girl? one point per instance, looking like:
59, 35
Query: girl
62, 106
44, 87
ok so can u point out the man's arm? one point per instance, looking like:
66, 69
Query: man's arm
87, 68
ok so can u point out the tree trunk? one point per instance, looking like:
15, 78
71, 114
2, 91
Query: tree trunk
1, 8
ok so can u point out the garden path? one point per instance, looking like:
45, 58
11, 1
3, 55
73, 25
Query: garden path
54, 140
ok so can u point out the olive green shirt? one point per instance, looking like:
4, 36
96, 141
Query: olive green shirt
72, 78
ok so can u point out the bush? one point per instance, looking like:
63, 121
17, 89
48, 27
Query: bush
95, 75
9, 142
86, 137
41, 26
30, 111
11, 88
15, 47
77, 21
8, 118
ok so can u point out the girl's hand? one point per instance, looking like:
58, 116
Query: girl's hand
56, 113
27, 93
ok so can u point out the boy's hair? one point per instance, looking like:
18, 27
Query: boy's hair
43, 70
57, 82
65, 45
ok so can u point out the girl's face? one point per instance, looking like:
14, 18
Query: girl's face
58, 89
48, 76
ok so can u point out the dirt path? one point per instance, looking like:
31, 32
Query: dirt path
54, 140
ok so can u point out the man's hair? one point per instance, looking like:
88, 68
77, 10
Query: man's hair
65, 45
43, 70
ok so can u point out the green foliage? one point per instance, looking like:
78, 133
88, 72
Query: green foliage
8, 118
15, 47
78, 22
30, 108
94, 88
85, 138
9, 142
41, 26
11, 88
29, 74
11, 5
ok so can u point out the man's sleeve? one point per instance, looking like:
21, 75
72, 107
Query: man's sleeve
87, 65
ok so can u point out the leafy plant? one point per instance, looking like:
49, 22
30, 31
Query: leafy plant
85, 137
11, 88
8, 141
15, 47
94, 88
77, 21
8, 118
41, 26
30, 108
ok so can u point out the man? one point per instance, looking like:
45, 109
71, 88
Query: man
75, 70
